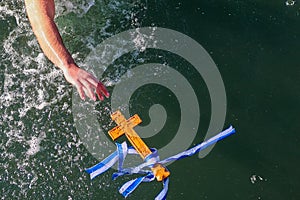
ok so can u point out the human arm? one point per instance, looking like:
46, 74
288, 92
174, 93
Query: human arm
41, 16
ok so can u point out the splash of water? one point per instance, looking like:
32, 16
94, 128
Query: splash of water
39, 147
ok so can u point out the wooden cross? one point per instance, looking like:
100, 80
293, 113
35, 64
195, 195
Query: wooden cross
126, 127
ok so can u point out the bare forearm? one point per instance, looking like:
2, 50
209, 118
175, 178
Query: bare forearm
41, 16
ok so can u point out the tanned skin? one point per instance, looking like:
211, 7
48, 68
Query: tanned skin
41, 16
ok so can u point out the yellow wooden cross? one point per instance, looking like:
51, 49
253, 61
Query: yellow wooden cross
126, 127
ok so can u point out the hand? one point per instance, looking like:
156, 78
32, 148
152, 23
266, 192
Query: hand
85, 83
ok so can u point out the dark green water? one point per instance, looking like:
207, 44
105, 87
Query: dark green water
256, 47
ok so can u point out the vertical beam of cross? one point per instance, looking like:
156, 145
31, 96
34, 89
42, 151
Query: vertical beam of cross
126, 127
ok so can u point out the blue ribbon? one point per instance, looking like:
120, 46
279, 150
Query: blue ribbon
122, 151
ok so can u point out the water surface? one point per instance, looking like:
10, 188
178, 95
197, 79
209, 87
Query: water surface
255, 45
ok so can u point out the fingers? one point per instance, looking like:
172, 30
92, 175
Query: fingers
100, 96
94, 81
102, 89
80, 91
86, 84
89, 88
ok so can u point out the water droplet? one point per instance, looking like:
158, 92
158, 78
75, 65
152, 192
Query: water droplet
290, 2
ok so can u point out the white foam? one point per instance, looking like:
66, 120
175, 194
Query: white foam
34, 144
79, 7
